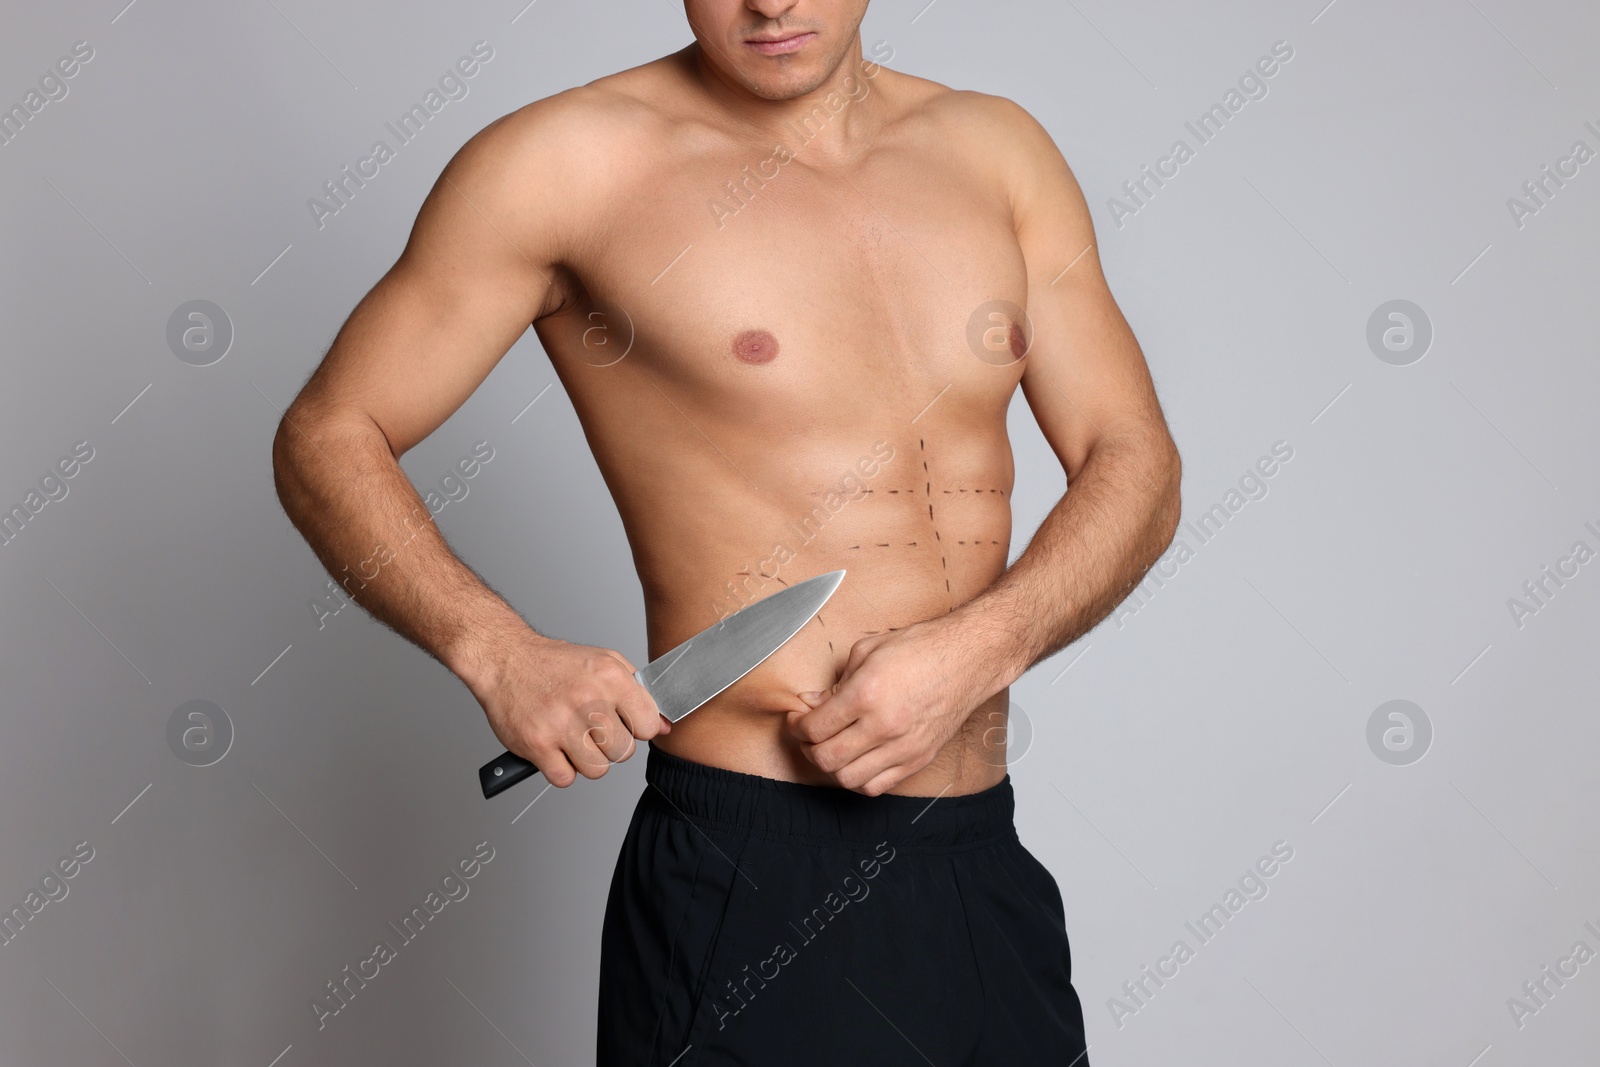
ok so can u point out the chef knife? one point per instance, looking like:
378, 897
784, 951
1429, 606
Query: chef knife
706, 664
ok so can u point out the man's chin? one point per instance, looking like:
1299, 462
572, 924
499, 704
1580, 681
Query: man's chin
791, 87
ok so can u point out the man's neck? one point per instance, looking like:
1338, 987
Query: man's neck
726, 93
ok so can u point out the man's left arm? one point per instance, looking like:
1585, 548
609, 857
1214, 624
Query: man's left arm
903, 695
1086, 381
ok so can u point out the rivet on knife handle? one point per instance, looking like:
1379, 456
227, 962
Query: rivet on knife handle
503, 772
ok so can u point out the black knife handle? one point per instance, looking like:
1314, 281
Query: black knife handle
503, 772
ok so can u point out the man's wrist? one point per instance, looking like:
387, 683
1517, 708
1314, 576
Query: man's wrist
479, 651
989, 652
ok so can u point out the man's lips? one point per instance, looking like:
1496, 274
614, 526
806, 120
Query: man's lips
782, 45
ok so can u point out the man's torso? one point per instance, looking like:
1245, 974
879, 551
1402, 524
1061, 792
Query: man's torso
780, 377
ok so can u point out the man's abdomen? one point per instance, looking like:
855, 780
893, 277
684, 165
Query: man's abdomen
919, 525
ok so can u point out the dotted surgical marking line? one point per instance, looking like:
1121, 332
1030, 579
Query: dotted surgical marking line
927, 486
913, 544
831, 653
892, 492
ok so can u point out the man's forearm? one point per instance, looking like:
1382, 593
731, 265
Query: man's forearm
1096, 544
346, 493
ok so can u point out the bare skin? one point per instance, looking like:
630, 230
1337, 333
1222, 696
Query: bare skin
807, 371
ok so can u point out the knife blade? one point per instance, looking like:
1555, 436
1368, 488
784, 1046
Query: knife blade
684, 678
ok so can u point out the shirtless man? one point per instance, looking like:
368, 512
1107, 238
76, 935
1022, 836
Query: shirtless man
783, 287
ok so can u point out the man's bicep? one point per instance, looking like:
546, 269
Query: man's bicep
475, 272
1085, 378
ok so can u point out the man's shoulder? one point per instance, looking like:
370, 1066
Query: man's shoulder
991, 133
555, 165
584, 123
996, 126
993, 136
963, 107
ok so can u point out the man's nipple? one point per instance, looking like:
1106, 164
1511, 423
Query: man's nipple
755, 346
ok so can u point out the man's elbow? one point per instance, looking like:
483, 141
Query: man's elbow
295, 451
286, 462
317, 443
1169, 479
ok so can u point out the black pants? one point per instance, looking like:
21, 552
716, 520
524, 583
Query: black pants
759, 922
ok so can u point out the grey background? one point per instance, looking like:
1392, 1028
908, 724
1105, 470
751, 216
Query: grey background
1170, 748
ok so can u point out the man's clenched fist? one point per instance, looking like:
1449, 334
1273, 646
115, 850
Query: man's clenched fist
567, 709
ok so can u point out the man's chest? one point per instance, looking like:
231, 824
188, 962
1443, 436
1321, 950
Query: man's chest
754, 278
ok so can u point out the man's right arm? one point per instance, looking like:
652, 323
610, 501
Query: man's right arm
481, 264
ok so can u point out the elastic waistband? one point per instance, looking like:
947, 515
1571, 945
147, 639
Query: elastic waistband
825, 815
